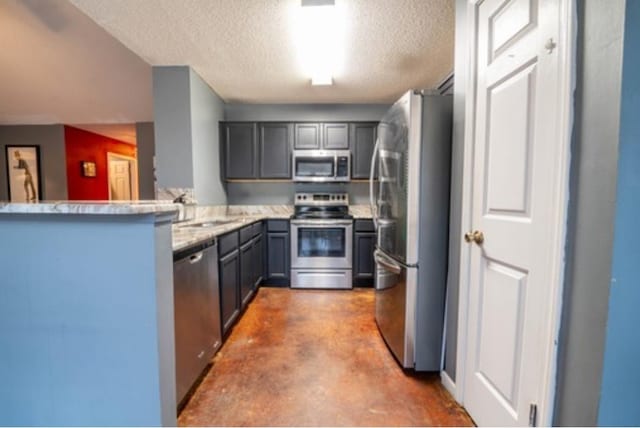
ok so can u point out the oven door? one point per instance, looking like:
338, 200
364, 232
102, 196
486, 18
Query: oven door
314, 167
322, 244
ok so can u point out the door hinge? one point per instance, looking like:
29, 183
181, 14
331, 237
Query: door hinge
533, 415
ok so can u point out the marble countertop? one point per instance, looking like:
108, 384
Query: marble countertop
186, 234
90, 207
360, 212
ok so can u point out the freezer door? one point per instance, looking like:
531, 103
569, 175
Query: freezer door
394, 308
398, 172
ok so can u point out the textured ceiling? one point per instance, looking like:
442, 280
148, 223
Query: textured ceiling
58, 66
245, 49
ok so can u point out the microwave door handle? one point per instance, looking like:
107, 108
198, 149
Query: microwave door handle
372, 196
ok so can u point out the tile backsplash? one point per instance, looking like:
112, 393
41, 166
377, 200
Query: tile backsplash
171, 193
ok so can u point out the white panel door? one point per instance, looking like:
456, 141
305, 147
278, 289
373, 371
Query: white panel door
119, 180
518, 141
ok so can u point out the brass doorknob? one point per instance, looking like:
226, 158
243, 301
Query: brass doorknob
475, 236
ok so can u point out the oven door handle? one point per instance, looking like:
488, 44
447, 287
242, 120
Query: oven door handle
322, 223
387, 263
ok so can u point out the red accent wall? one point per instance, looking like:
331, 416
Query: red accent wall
85, 146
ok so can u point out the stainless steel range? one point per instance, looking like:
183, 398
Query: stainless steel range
321, 241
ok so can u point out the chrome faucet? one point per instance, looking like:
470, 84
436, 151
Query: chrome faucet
180, 199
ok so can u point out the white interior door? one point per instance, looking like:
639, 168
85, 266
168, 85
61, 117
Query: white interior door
519, 167
119, 180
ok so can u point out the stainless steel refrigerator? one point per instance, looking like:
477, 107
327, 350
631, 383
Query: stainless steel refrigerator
410, 204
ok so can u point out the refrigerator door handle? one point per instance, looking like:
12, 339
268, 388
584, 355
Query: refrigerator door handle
372, 198
387, 263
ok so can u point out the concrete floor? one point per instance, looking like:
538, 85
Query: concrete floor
315, 358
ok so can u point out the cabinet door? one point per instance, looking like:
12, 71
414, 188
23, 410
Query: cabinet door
363, 139
258, 260
246, 272
363, 264
240, 150
335, 136
278, 258
275, 150
307, 136
229, 277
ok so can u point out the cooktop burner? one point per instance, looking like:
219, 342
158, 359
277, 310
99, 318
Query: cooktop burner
321, 206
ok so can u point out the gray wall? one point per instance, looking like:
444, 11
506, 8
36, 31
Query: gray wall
282, 193
592, 198
257, 193
207, 111
186, 117
620, 391
457, 158
53, 163
87, 333
172, 122
145, 143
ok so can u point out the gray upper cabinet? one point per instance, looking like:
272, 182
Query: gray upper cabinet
253, 150
363, 139
335, 136
240, 150
275, 150
307, 136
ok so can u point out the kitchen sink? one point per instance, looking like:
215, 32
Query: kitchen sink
211, 223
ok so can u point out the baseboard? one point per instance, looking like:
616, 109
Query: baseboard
363, 282
449, 384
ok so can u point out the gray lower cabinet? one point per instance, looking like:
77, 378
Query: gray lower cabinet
241, 268
246, 273
251, 261
229, 295
363, 139
364, 242
278, 253
240, 150
275, 150
257, 260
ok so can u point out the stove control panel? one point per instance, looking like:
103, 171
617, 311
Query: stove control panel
321, 199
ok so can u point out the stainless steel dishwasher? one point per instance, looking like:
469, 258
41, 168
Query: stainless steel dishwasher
196, 312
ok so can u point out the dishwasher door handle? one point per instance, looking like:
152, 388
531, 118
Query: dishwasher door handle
195, 258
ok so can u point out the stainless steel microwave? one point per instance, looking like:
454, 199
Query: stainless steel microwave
321, 166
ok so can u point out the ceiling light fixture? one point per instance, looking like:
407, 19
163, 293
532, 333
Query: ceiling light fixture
319, 39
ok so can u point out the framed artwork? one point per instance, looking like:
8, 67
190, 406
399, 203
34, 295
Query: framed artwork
88, 169
23, 173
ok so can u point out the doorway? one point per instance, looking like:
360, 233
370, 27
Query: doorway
123, 177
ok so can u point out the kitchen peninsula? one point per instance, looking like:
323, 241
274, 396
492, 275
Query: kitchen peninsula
87, 302
86, 314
